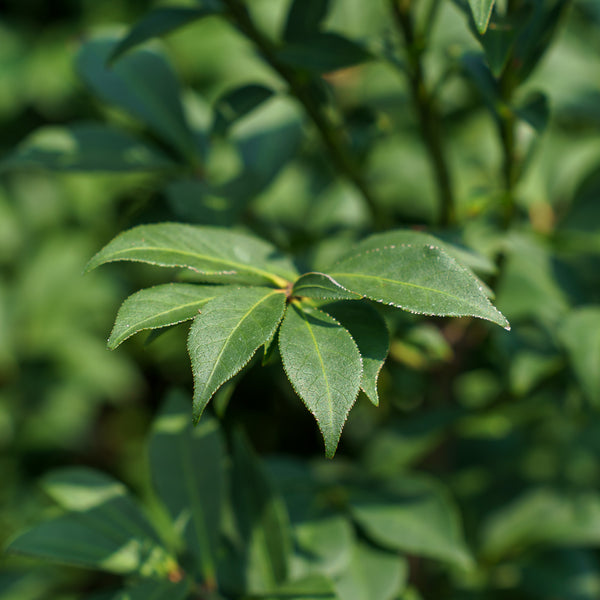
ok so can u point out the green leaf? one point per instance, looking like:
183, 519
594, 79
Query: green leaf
411, 515
580, 334
160, 306
304, 18
226, 335
372, 574
188, 474
369, 331
323, 365
419, 278
86, 147
143, 84
106, 529
237, 103
154, 589
160, 22
535, 110
262, 521
323, 53
543, 516
321, 287
406, 237
215, 255
481, 11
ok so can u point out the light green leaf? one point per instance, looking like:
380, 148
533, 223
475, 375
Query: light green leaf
160, 306
372, 574
154, 589
321, 286
262, 521
86, 147
226, 335
143, 84
106, 529
419, 278
323, 53
482, 11
160, 22
188, 474
580, 334
215, 255
323, 365
369, 331
543, 516
411, 515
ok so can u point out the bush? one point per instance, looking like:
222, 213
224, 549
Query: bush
350, 202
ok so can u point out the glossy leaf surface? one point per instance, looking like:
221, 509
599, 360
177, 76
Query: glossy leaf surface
226, 335
262, 521
414, 516
323, 365
143, 84
105, 529
215, 255
160, 22
421, 279
481, 11
86, 147
188, 474
321, 287
160, 306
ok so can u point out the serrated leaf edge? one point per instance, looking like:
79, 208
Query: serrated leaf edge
417, 312
327, 453
197, 415
177, 322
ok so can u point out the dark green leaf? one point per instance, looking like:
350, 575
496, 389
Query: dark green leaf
580, 334
154, 589
324, 366
215, 255
262, 520
237, 103
304, 19
422, 279
535, 111
86, 147
481, 11
160, 22
321, 287
411, 515
226, 335
160, 306
143, 84
371, 335
323, 53
105, 530
188, 474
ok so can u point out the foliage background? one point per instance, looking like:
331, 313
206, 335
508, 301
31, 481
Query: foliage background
506, 421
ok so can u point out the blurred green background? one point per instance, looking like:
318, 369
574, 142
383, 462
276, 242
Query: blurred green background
508, 421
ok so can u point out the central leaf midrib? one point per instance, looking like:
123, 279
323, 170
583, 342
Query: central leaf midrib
228, 337
329, 405
238, 266
400, 282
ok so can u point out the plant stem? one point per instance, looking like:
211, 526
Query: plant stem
425, 106
330, 135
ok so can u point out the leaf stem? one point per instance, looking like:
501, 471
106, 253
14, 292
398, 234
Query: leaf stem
330, 135
425, 106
